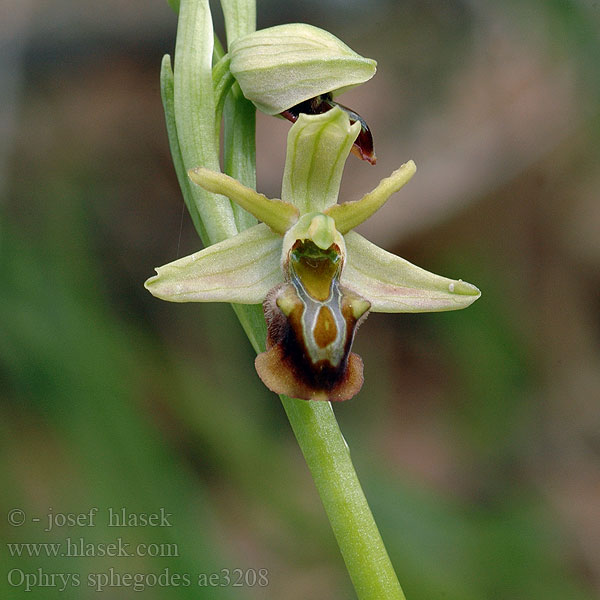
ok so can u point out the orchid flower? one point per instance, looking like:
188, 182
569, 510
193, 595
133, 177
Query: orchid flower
316, 277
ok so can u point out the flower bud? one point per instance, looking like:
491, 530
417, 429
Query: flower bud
280, 67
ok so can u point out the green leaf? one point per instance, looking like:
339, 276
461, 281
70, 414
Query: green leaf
166, 92
240, 18
194, 103
222, 82
239, 142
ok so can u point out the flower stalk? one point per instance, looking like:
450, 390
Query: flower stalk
304, 241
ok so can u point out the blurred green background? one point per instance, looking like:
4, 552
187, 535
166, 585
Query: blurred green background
476, 435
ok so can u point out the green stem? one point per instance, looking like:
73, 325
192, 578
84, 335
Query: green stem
314, 424
329, 461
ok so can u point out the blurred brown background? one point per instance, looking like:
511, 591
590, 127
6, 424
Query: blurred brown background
476, 435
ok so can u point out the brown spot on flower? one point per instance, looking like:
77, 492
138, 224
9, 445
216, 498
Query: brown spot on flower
325, 330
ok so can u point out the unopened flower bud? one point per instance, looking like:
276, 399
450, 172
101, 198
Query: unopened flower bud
280, 67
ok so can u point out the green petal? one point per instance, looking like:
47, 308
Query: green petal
278, 215
349, 215
241, 269
317, 148
282, 66
392, 284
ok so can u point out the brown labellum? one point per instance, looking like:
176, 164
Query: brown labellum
311, 325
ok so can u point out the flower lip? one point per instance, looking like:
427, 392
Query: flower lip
311, 321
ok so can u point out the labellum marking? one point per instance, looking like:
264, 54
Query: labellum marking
325, 328
312, 275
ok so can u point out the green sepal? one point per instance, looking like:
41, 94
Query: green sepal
392, 284
317, 148
241, 269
